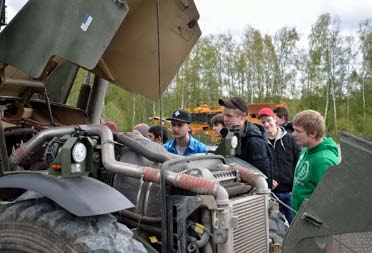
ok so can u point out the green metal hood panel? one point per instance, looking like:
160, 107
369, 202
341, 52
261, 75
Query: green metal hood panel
117, 43
131, 59
341, 204
76, 30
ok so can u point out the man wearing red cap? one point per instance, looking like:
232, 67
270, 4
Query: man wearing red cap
285, 152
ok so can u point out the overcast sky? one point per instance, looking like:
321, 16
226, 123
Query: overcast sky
268, 16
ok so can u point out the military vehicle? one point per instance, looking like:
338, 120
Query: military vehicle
68, 184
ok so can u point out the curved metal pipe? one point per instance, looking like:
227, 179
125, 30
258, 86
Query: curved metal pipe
222, 196
108, 152
207, 223
190, 183
261, 185
182, 181
141, 149
208, 248
257, 180
27, 149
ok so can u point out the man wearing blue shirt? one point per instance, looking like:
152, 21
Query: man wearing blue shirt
183, 143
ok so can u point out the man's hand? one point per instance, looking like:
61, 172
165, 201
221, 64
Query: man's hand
274, 184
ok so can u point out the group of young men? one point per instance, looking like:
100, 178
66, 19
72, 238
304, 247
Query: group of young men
293, 156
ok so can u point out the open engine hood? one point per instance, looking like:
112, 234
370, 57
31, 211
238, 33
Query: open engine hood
116, 40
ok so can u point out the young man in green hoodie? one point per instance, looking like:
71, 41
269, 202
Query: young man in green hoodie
318, 153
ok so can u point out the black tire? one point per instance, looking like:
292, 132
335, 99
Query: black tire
42, 226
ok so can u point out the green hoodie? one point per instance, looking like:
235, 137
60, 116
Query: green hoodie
310, 169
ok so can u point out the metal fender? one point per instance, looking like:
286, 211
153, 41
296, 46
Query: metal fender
83, 196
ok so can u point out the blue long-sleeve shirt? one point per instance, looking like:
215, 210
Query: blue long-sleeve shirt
194, 147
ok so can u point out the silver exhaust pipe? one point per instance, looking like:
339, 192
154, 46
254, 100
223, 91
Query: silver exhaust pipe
182, 181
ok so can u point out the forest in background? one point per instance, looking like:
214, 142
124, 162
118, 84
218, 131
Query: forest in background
332, 74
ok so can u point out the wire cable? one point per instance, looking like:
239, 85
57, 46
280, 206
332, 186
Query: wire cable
281, 202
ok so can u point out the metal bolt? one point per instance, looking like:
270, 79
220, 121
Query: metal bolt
118, 3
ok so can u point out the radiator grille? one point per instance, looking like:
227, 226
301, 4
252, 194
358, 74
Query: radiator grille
251, 234
355, 242
106, 176
342, 243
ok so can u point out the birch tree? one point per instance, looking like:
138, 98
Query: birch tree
271, 70
365, 36
285, 44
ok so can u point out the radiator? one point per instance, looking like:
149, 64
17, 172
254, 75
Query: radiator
251, 232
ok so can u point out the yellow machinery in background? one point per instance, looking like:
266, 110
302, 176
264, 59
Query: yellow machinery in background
202, 114
205, 110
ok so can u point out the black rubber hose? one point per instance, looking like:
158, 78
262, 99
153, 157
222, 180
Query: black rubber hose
4, 162
20, 131
141, 149
136, 224
238, 190
139, 218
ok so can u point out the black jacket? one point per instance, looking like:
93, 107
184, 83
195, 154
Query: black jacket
254, 148
288, 126
285, 152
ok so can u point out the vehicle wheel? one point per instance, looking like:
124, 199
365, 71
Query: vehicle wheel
42, 226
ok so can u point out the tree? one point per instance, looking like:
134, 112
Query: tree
210, 73
253, 46
285, 44
350, 73
271, 71
365, 36
327, 56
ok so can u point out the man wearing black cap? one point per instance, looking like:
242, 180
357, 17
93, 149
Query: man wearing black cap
183, 143
254, 147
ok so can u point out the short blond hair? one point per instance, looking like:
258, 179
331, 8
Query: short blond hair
312, 122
